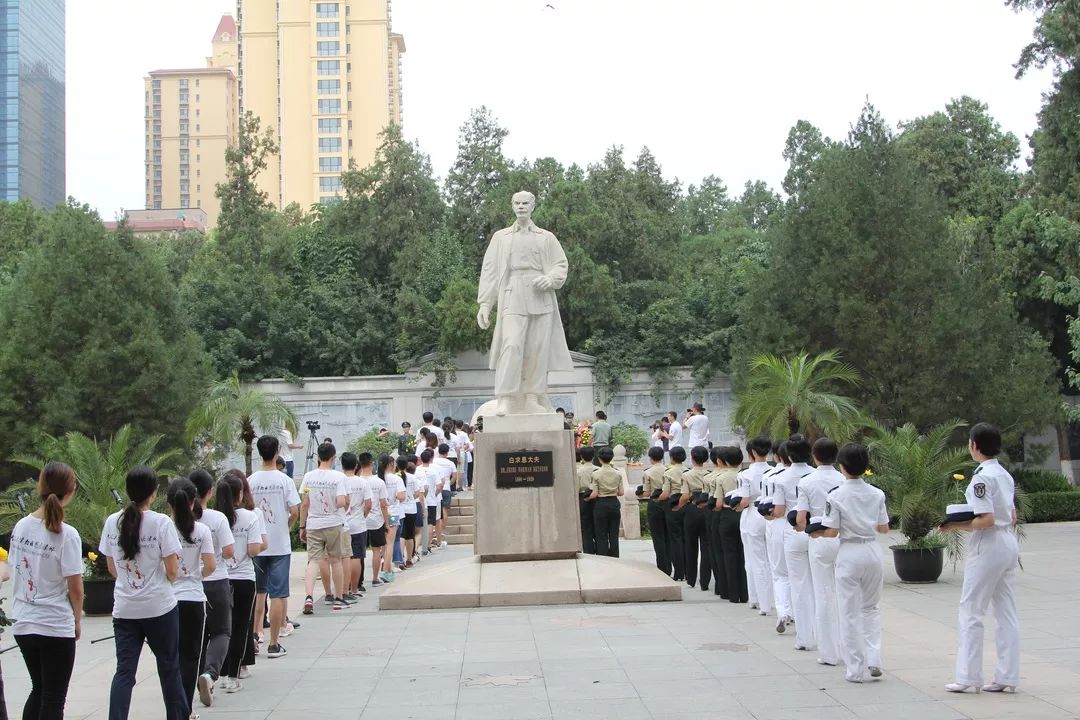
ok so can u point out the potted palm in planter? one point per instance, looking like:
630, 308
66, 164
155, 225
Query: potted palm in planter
918, 473
101, 469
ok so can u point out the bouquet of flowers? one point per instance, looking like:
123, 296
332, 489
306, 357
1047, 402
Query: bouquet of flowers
584, 434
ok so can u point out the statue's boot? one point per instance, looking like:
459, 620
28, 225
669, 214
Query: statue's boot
502, 405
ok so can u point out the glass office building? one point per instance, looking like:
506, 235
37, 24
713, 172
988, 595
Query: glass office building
32, 106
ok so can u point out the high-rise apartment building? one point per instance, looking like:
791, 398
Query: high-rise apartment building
32, 123
191, 118
327, 77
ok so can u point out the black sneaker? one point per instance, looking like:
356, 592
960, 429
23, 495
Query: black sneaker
362, 588
275, 651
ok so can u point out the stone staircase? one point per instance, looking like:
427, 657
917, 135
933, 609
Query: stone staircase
460, 523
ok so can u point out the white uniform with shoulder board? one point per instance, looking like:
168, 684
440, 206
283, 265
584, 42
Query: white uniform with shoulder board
992, 558
814, 491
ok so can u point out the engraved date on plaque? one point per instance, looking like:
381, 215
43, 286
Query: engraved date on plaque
525, 468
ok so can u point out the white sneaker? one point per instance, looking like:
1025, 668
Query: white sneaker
232, 685
244, 673
205, 685
286, 630
443, 544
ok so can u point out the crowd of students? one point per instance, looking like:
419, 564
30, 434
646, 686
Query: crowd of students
790, 539
795, 538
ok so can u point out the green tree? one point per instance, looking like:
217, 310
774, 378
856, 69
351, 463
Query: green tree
472, 185
245, 208
705, 207
230, 415
92, 352
784, 396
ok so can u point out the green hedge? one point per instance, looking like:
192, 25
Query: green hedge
1052, 506
1040, 481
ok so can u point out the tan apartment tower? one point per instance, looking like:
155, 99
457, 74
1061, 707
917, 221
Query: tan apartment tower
191, 118
327, 77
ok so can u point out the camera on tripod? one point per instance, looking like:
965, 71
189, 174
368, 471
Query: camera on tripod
313, 425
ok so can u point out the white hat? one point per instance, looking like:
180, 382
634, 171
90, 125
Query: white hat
960, 508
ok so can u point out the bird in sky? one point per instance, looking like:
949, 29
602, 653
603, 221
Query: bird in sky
549, 5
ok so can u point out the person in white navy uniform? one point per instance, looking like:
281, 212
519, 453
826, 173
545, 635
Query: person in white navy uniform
814, 491
993, 556
796, 544
759, 587
855, 512
774, 538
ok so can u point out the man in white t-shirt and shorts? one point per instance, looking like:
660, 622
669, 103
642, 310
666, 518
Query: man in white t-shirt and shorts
324, 498
432, 497
447, 472
275, 494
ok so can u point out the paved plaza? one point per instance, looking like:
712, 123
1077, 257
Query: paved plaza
701, 658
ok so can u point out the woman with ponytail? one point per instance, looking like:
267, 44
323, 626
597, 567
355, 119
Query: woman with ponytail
407, 471
247, 530
395, 493
215, 586
46, 556
196, 562
143, 551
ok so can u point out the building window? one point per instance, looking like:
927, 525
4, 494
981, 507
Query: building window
184, 142
157, 157
328, 47
329, 199
183, 82
198, 188
183, 128
196, 97
157, 204
157, 129
198, 158
183, 98
329, 145
329, 87
329, 164
329, 184
329, 107
329, 125
196, 85
183, 113
157, 143
326, 10
329, 67
157, 175
156, 84
327, 29
185, 201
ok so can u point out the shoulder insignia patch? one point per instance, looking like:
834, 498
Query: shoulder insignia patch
977, 471
979, 489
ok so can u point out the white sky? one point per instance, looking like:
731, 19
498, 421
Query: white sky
711, 86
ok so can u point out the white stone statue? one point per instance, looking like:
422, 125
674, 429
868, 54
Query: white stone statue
523, 267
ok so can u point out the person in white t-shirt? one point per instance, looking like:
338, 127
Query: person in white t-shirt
196, 563
275, 494
142, 549
674, 431
395, 498
433, 486
46, 555
696, 427
215, 586
287, 446
408, 508
447, 470
357, 473
324, 499
247, 530
376, 524
462, 446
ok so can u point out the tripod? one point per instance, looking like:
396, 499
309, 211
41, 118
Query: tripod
312, 446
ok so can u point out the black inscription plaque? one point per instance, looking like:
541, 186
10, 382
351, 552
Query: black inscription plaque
524, 468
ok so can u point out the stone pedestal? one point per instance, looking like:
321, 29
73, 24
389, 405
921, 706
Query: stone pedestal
526, 523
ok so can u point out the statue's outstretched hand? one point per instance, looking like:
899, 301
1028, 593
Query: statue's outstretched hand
482, 317
542, 282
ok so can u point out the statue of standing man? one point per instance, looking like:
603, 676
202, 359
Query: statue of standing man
523, 267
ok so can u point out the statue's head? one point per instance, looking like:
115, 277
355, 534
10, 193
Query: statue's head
524, 204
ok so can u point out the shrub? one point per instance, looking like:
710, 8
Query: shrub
1052, 506
374, 442
1041, 481
631, 437
643, 508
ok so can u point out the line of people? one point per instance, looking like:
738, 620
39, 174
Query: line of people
799, 540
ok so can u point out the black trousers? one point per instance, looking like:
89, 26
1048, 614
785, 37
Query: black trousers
49, 661
731, 554
696, 545
677, 551
654, 516
606, 516
162, 634
716, 560
192, 627
218, 625
242, 640
588, 531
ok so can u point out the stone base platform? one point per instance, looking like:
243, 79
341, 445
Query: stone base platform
470, 583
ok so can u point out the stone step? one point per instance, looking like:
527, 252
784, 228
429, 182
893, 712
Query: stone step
466, 539
462, 511
469, 530
459, 501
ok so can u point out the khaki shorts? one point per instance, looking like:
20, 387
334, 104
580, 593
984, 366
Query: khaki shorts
326, 542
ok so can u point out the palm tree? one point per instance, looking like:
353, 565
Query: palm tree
229, 413
786, 395
916, 472
101, 469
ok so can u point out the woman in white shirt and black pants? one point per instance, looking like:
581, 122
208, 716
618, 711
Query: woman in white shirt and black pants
46, 561
143, 551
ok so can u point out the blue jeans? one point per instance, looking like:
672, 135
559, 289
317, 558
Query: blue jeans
289, 467
162, 634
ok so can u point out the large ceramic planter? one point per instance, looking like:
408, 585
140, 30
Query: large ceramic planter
98, 599
916, 565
